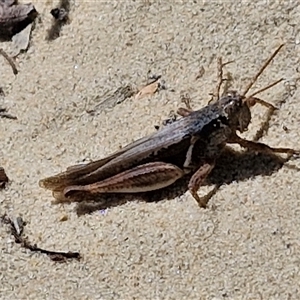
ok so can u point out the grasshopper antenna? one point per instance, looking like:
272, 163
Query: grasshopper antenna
251, 100
266, 88
261, 70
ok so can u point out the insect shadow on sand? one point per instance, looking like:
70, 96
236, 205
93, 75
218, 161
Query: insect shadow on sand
232, 166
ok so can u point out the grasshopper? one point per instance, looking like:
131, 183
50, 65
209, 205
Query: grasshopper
190, 145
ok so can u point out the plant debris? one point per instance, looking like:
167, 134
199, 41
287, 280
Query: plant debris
61, 17
172, 117
111, 100
4, 114
150, 89
3, 178
201, 72
3, 111
59, 14
17, 228
285, 128
14, 18
10, 61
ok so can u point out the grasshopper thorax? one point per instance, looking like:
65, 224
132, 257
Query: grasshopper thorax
236, 110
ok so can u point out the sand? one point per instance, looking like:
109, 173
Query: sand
245, 245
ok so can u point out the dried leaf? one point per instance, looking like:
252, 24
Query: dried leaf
20, 41
14, 18
147, 90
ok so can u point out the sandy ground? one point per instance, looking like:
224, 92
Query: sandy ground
246, 245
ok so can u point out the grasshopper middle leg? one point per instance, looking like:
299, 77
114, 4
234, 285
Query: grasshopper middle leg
197, 180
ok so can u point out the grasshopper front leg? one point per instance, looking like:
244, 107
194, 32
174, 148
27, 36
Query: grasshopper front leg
143, 178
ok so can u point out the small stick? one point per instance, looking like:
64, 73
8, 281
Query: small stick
10, 61
221, 65
261, 70
4, 114
17, 226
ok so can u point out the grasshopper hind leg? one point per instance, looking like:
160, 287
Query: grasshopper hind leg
143, 178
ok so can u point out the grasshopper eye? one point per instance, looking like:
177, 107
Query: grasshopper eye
244, 118
251, 101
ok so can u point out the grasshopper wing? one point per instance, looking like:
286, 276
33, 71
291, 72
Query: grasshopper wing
172, 138
75, 173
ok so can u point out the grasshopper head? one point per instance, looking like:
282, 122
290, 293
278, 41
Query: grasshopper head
236, 110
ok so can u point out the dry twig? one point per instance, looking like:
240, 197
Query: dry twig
10, 61
4, 114
17, 228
